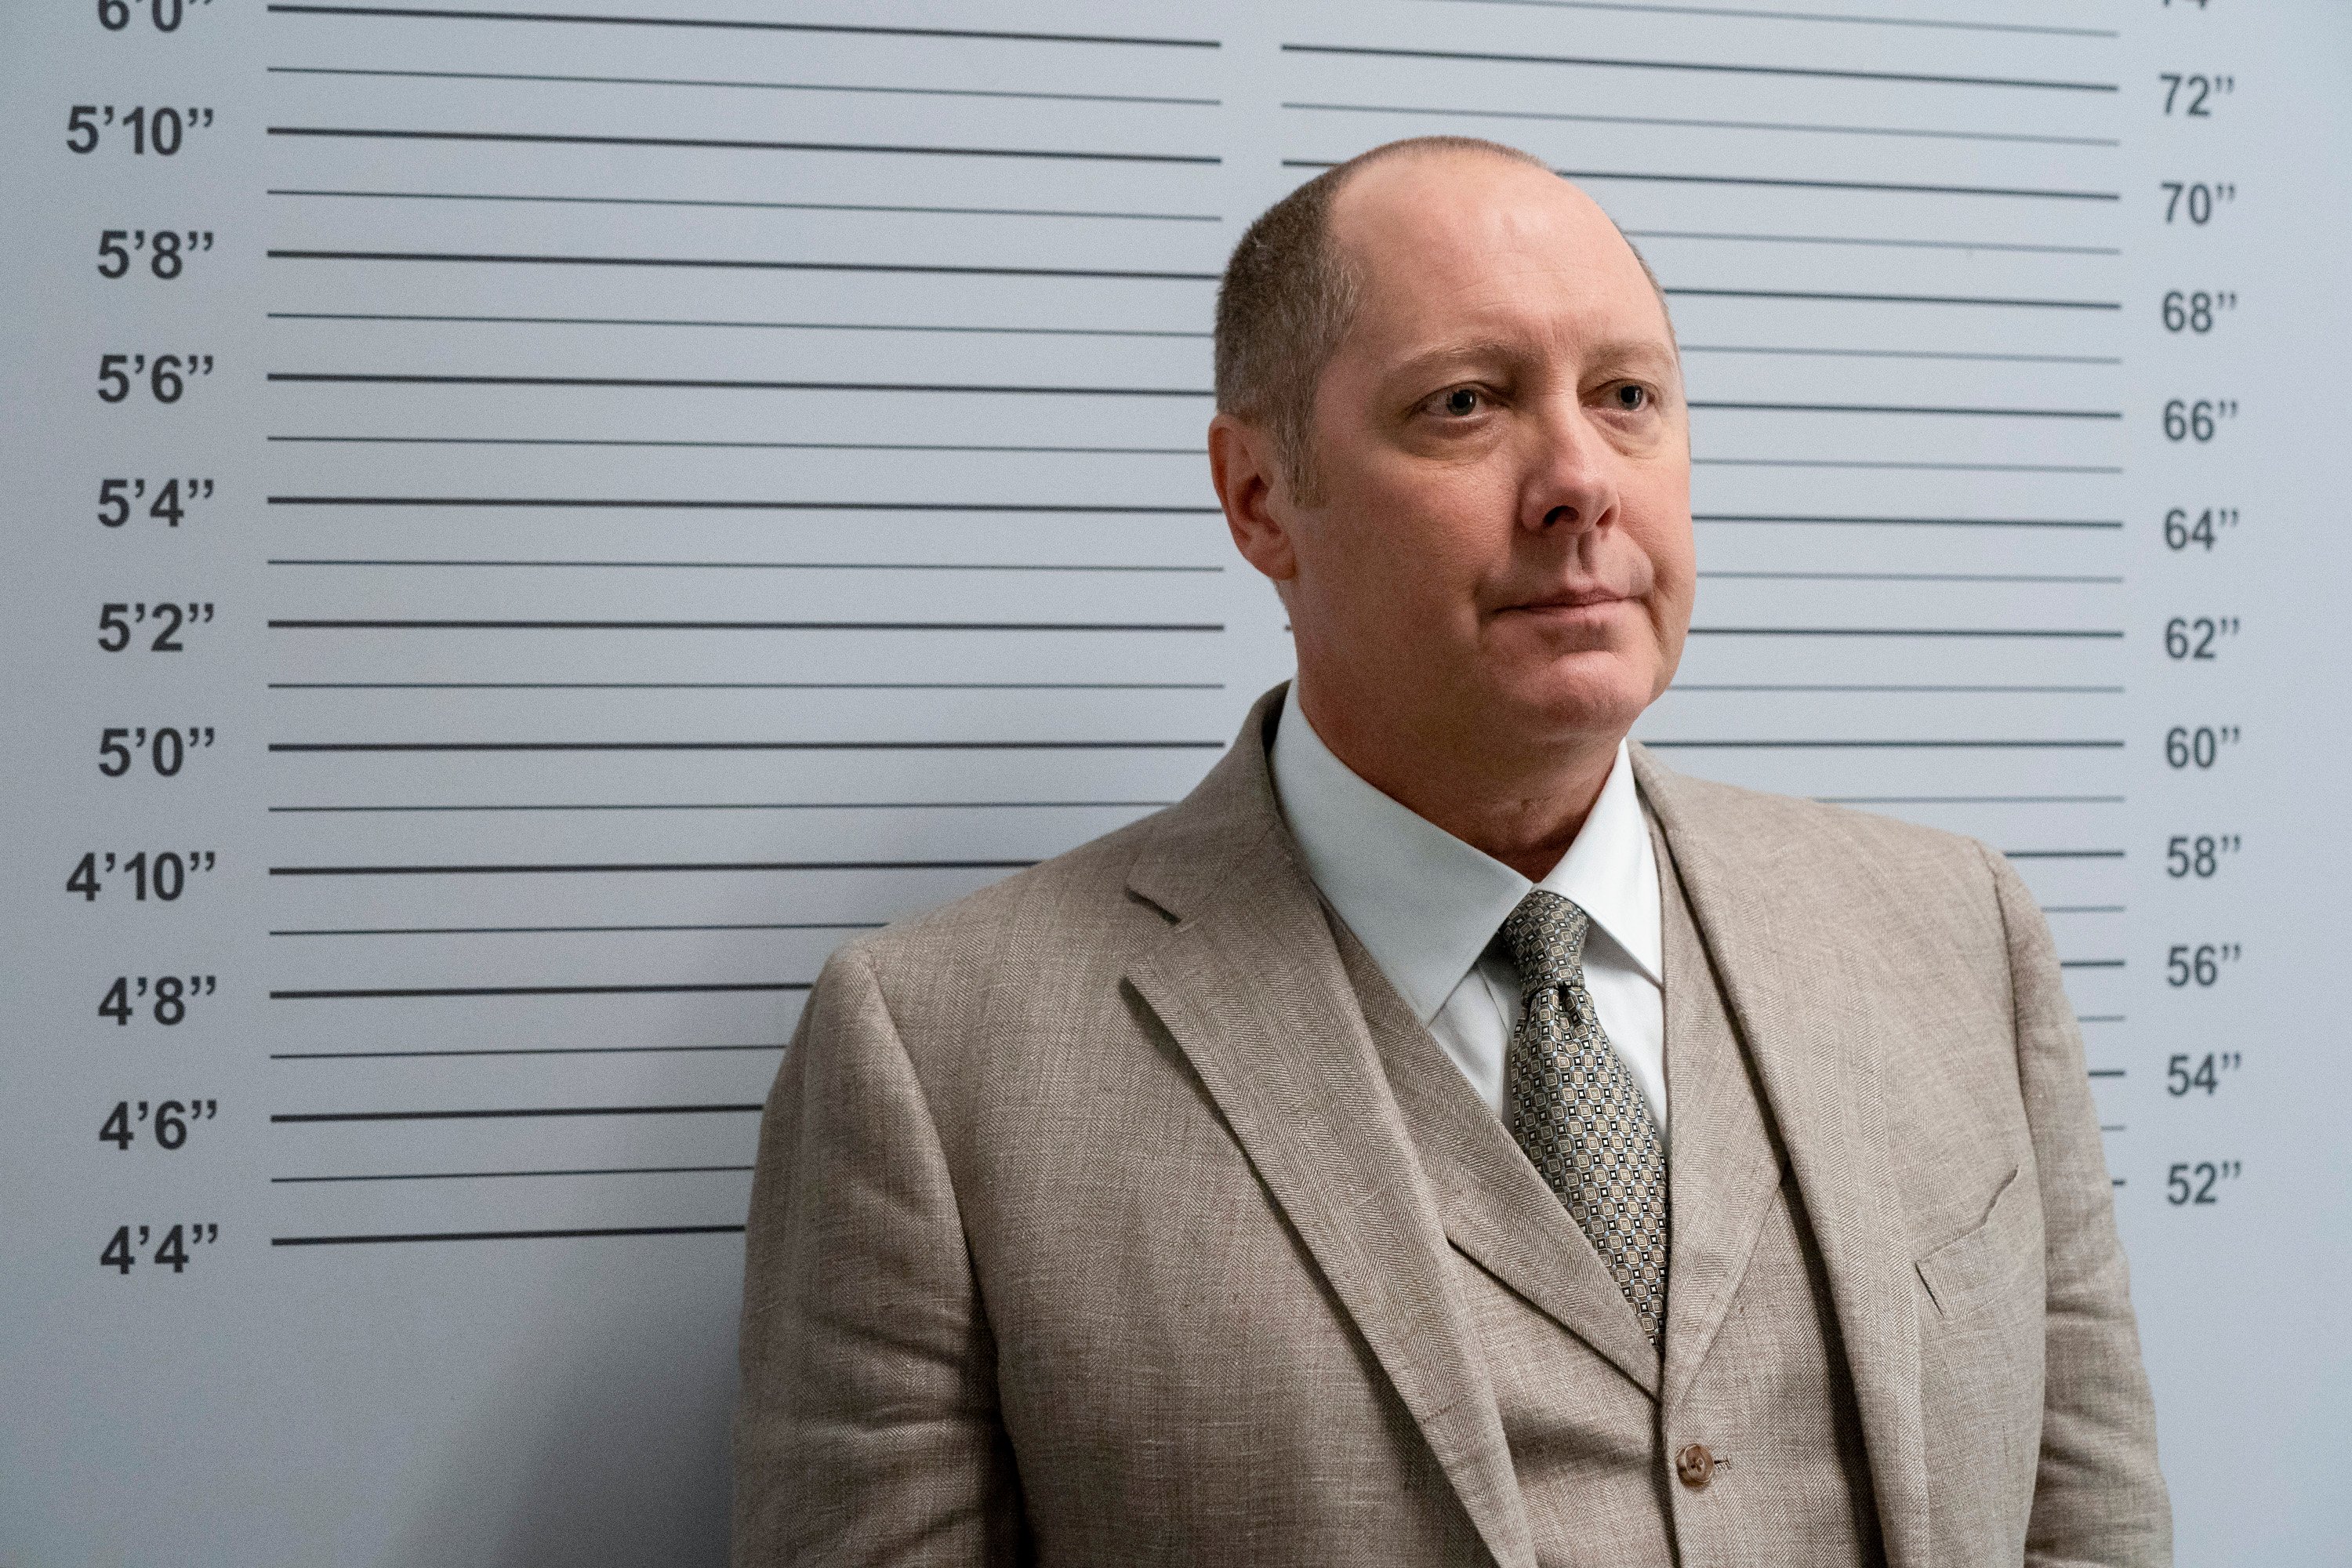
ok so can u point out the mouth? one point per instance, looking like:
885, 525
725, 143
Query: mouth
1567, 603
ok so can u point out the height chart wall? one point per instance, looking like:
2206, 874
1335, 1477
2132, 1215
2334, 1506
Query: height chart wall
527, 528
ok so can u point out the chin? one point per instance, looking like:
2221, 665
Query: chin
1573, 698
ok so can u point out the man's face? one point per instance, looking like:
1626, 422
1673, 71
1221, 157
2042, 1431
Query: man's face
1501, 535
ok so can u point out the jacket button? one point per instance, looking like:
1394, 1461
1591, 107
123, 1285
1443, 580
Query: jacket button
1694, 1467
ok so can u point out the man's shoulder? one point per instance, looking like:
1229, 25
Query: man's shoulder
1072, 909
1821, 843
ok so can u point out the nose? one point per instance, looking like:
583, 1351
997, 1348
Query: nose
1568, 485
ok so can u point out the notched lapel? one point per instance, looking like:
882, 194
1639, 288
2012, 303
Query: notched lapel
1721, 1170
1792, 980
1494, 1206
1249, 984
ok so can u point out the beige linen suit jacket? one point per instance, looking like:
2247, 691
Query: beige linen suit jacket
1087, 1228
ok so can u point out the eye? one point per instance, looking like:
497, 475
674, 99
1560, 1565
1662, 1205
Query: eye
1629, 398
1459, 402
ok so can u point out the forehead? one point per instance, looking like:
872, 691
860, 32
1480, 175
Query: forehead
1446, 242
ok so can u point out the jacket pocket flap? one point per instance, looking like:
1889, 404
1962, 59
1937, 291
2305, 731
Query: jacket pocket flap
1978, 1261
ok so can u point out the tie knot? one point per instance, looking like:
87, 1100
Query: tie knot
1545, 936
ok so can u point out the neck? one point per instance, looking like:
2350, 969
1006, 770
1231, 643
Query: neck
1523, 805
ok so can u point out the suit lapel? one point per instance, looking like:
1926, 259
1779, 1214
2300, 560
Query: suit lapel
1793, 984
1721, 1170
1494, 1206
1249, 983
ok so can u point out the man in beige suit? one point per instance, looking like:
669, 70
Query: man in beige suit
1448, 1135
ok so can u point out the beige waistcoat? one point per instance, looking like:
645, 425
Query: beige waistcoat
1753, 1370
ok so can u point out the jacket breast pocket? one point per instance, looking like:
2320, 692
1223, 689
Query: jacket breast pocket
1992, 1265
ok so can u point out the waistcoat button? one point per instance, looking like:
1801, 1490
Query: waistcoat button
1694, 1466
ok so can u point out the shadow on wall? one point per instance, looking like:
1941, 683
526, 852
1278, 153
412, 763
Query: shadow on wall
613, 1449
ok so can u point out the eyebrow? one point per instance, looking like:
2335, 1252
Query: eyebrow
1618, 351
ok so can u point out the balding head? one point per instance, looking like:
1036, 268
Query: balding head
1294, 283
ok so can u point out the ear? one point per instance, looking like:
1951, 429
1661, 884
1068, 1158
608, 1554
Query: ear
1242, 466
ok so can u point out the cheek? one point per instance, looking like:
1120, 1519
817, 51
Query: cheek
1418, 542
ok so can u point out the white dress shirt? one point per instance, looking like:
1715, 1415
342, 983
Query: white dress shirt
1425, 905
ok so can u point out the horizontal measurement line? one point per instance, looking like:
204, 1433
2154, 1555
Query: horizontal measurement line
1890, 187
758, 86
1707, 124
2082, 909
546, 931
1909, 466
695, 383
746, 686
1899, 354
1699, 403
562, 867
2106, 1072
763, 805
2113, 1127
699, 321
330, 624
753, 446
1673, 10
2090, 963
1700, 65
1906, 522
2102, 1018
394, 992
1900, 577
1896, 632
448, 14
2063, 854
390, 1238
1937, 745
1846, 296
734, 264
490, 1175
516, 1111
758, 206
391, 746
796, 565
733, 144
517, 1051
1867, 240
1970, 799
690, 503
1904, 686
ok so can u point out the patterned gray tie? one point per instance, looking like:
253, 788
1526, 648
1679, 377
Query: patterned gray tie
1575, 1108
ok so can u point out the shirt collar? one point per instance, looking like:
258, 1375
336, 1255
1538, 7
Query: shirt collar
1425, 904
